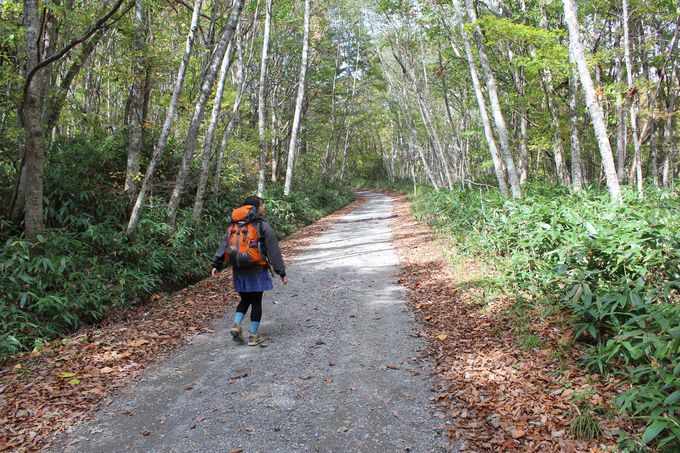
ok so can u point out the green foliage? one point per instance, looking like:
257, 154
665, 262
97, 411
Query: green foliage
90, 265
616, 270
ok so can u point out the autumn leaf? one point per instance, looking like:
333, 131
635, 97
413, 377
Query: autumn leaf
138, 343
442, 336
106, 370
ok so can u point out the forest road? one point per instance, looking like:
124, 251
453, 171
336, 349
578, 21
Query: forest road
342, 371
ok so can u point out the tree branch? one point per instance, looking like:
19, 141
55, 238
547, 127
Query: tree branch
97, 25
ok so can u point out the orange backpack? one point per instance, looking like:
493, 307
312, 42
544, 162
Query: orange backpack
244, 246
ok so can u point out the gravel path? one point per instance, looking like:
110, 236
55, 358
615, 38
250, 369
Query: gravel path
342, 370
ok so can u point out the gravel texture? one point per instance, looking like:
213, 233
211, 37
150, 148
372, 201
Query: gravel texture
343, 369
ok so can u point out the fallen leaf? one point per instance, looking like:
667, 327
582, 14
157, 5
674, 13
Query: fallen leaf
106, 370
517, 433
392, 367
442, 336
64, 374
144, 433
138, 343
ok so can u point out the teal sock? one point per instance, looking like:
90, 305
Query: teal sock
254, 327
238, 317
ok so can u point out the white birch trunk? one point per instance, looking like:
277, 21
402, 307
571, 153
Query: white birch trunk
298, 103
326, 155
169, 117
206, 88
261, 111
240, 89
637, 163
488, 132
210, 135
501, 127
576, 175
621, 128
594, 108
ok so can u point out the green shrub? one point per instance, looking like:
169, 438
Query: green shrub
90, 265
616, 270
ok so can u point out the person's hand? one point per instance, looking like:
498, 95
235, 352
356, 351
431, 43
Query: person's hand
284, 280
214, 272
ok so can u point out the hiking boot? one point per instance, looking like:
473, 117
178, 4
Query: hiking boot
237, 333
255, 340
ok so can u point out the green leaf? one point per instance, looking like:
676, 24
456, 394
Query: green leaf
74, 382
653, 430
65, 374
672, 398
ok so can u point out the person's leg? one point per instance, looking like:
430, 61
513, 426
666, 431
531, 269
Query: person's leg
241, 309
255, 318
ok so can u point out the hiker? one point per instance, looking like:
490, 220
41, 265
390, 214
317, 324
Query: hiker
252, 260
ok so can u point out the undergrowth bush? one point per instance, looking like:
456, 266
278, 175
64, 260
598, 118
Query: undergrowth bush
90, 265
616, 270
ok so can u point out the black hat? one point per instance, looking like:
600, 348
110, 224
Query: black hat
253, 201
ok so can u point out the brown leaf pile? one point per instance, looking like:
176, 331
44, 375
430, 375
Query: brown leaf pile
45, 392
499, 397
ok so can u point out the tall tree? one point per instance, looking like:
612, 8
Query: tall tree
261, 98
169, 118
298, 103
501, 127
597, 119
488, 132
136, 101
206, 88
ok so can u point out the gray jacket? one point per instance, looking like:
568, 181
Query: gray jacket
271, 251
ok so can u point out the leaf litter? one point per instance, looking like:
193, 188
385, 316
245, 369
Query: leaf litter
40, 398
498, 396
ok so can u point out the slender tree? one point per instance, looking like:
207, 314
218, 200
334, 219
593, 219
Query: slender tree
298, 103
169, 118
206, 88
261, 98
597, 119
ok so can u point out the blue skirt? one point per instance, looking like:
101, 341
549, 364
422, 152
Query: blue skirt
254, 283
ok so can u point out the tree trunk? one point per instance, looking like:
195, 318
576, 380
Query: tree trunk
488, 132
135, 132
599, 126
261, 99
206, 88
298, 103
637, 163
501, 128
576, 174
167, 124
653, 156
210, 135
558, 148
241, 76
275, 138
31, 116
326, 155
621, 128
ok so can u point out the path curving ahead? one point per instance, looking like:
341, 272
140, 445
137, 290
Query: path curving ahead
342, 370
